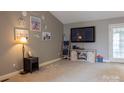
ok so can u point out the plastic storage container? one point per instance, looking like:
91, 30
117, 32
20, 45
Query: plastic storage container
99, 58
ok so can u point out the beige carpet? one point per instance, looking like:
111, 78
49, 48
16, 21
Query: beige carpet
67, 71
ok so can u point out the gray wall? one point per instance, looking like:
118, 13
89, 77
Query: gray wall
11, 53
102, 34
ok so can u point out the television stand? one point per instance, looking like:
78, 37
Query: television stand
85, 55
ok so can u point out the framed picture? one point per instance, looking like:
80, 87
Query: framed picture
46, 35
21, 32
35, 24
82, 55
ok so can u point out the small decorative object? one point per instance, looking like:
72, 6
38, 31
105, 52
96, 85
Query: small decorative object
21, 32
74, 46
35, 24
24, 13
29, 54
21, 19
46, 35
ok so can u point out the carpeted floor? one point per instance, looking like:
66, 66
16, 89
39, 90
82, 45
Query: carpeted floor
67, 71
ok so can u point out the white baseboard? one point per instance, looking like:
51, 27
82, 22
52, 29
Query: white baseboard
3, 77
49, 62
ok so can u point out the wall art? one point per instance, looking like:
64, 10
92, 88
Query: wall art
35, 24
46, 35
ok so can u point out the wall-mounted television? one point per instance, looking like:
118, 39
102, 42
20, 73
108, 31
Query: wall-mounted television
83, 34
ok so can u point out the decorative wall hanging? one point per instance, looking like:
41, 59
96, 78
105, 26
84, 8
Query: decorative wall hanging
21, 19
35, 24
46, 35
21, 32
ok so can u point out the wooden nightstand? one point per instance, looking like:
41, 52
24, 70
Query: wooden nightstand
31, 64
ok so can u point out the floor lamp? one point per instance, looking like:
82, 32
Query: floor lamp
23, 41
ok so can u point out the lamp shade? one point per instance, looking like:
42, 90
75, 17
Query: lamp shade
23, 40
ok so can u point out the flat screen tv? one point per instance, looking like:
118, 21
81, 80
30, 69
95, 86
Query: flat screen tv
83, 34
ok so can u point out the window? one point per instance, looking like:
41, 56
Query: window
117, 42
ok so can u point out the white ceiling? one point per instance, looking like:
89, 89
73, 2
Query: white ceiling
78, 16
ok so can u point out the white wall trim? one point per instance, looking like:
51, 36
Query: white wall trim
49, 62
110, 41
3, 77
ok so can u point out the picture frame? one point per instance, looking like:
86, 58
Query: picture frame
82, 55
46, 35
20, 32
35, 24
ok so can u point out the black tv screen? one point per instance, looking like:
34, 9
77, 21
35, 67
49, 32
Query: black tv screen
83, 34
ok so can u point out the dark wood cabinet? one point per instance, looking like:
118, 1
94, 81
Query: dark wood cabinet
31, 64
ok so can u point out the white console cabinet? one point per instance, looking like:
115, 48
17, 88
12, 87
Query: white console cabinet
83, 55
